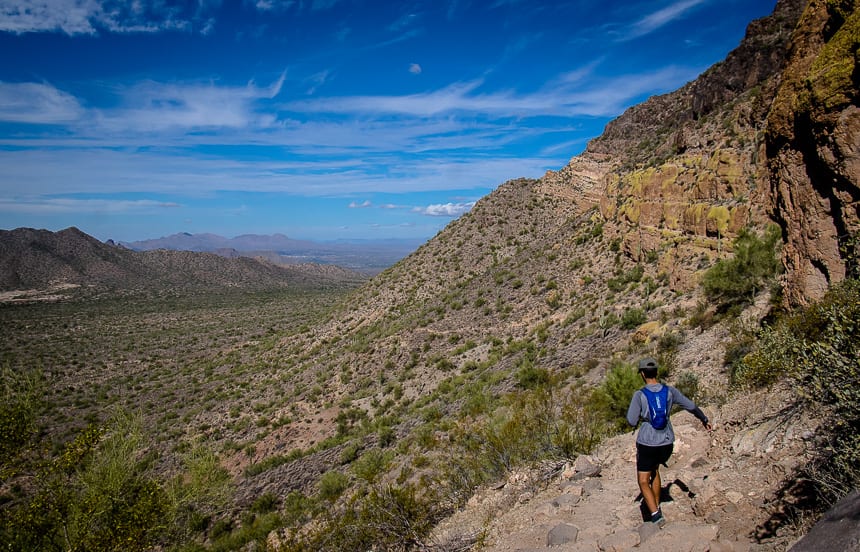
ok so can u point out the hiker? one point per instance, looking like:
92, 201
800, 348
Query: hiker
652, 405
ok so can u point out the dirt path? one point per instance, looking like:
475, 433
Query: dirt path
718, 489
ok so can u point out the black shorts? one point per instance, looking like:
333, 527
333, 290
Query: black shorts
649, 459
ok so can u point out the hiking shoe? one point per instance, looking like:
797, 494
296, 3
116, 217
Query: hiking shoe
658, 519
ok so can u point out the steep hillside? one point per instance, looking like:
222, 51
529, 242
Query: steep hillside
42, 260
603, 255
451, 384
597, 262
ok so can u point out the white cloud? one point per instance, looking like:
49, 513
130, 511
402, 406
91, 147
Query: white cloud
191, 137
568, 96
445, 209
158, 107
274, 5
36, 103
654, 21
76, 17
415, 69
363, 205
51, 206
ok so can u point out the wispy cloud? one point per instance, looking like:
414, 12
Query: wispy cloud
415, 69
76, 17
37, 103
183, 137
154, 106
49, 206
363, 205
654, 21
569, 96
404, 22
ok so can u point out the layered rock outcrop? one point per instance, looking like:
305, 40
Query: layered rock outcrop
681, 174
771, 134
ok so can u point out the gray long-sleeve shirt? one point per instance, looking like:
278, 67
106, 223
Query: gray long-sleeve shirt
638, 410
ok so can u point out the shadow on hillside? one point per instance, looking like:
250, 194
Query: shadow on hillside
791, 505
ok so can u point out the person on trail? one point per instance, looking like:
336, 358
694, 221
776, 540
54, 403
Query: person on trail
652, 405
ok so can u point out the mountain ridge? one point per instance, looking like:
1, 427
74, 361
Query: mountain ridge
41, 259
366, 256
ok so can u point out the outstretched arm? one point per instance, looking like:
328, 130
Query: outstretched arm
691, 407
697, 412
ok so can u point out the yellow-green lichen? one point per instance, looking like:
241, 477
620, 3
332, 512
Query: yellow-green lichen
696, 212
631, 210
830, 78
721, 216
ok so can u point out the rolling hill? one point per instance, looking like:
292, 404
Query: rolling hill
41, 260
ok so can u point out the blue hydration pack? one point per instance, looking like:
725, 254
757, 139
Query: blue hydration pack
658, 406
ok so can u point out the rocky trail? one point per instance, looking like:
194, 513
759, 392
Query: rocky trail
719, 491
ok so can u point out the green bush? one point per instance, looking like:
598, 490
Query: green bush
533, 425
20, 403
633, 318
688, 384
387, 518
332, 484
613, 396
819, 349
371, 464
96, 495
530, 376
265, 503
734, 282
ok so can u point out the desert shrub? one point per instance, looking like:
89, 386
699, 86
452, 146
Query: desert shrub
387, 436
20, 403
632, 318
734, 282
371, 464
386, 518
530, 376
200, 491
669, 342
350, 452
619, 283
332, 484
612, 398
297, 508
265, 503
688, 384
255, 529
533, 425
818, 348
95, 495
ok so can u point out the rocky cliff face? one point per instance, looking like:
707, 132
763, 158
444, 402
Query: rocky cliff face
813, 150
770, 134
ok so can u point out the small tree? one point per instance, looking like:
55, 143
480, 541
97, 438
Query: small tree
734, 282
613, 396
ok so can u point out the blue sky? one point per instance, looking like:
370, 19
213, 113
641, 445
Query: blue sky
319, 119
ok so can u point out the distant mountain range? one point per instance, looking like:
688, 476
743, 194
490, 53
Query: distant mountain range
366, 256
40, 259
